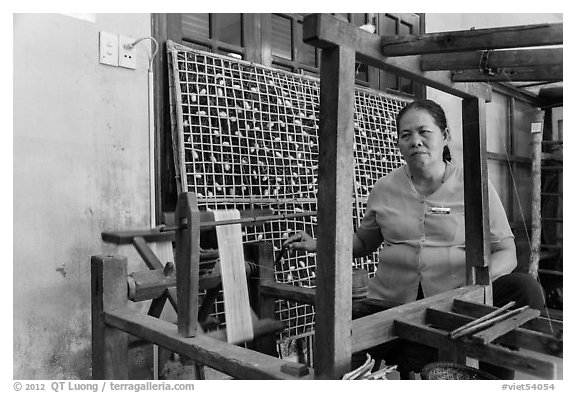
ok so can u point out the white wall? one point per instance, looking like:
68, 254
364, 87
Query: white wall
80, 167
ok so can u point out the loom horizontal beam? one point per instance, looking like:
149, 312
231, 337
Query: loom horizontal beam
151, 284
522, 74
377, 328
323, 31
261, 327
149, 235
540, 324
494, 354
246, 221
289, 292
232, 360
500, 58
294, 293
467, 40
521, 337
166, 233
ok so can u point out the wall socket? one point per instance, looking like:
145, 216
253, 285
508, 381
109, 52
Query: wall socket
126, 54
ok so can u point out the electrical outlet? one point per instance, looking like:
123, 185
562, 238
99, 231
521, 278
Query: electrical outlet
126, 53
109, 49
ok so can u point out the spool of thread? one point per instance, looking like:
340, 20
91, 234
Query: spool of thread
359, 283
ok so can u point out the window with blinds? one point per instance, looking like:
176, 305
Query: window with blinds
276, 40
218, 33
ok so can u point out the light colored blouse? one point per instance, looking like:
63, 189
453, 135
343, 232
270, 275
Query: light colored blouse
423, 236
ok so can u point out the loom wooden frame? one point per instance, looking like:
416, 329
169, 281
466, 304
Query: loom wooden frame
337, 336
343, 45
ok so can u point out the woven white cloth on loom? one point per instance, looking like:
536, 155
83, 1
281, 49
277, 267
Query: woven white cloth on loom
236, 304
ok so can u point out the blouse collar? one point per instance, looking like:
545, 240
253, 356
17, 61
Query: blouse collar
449, 170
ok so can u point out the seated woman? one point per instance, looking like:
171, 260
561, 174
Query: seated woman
417, 213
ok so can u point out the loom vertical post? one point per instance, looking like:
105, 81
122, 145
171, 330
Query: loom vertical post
476, 203
187, 263
109, 293
333, 340
262, 254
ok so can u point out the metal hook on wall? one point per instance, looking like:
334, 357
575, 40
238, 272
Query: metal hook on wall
484, 65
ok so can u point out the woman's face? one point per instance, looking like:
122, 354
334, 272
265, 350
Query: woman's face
420, 140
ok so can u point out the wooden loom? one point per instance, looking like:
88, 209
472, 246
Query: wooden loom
337, 335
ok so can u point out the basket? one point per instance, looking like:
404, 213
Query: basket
452, 371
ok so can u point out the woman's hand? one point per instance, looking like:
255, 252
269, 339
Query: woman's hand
300, 241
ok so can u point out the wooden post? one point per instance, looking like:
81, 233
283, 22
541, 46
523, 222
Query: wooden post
536, 199
476, 208
187, 263
265, 306
109, 293
334, 254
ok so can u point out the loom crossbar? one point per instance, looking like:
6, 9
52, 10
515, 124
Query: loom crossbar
167, 233
232, 360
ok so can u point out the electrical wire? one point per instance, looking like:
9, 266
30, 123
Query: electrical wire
151, 158
133, 44
151, 126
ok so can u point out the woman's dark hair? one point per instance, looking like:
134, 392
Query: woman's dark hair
437, 114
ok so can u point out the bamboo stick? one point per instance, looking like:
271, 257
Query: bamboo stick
488, 322
536, 199
244, 220
484, 318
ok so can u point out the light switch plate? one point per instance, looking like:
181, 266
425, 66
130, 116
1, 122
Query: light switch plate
109, 49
